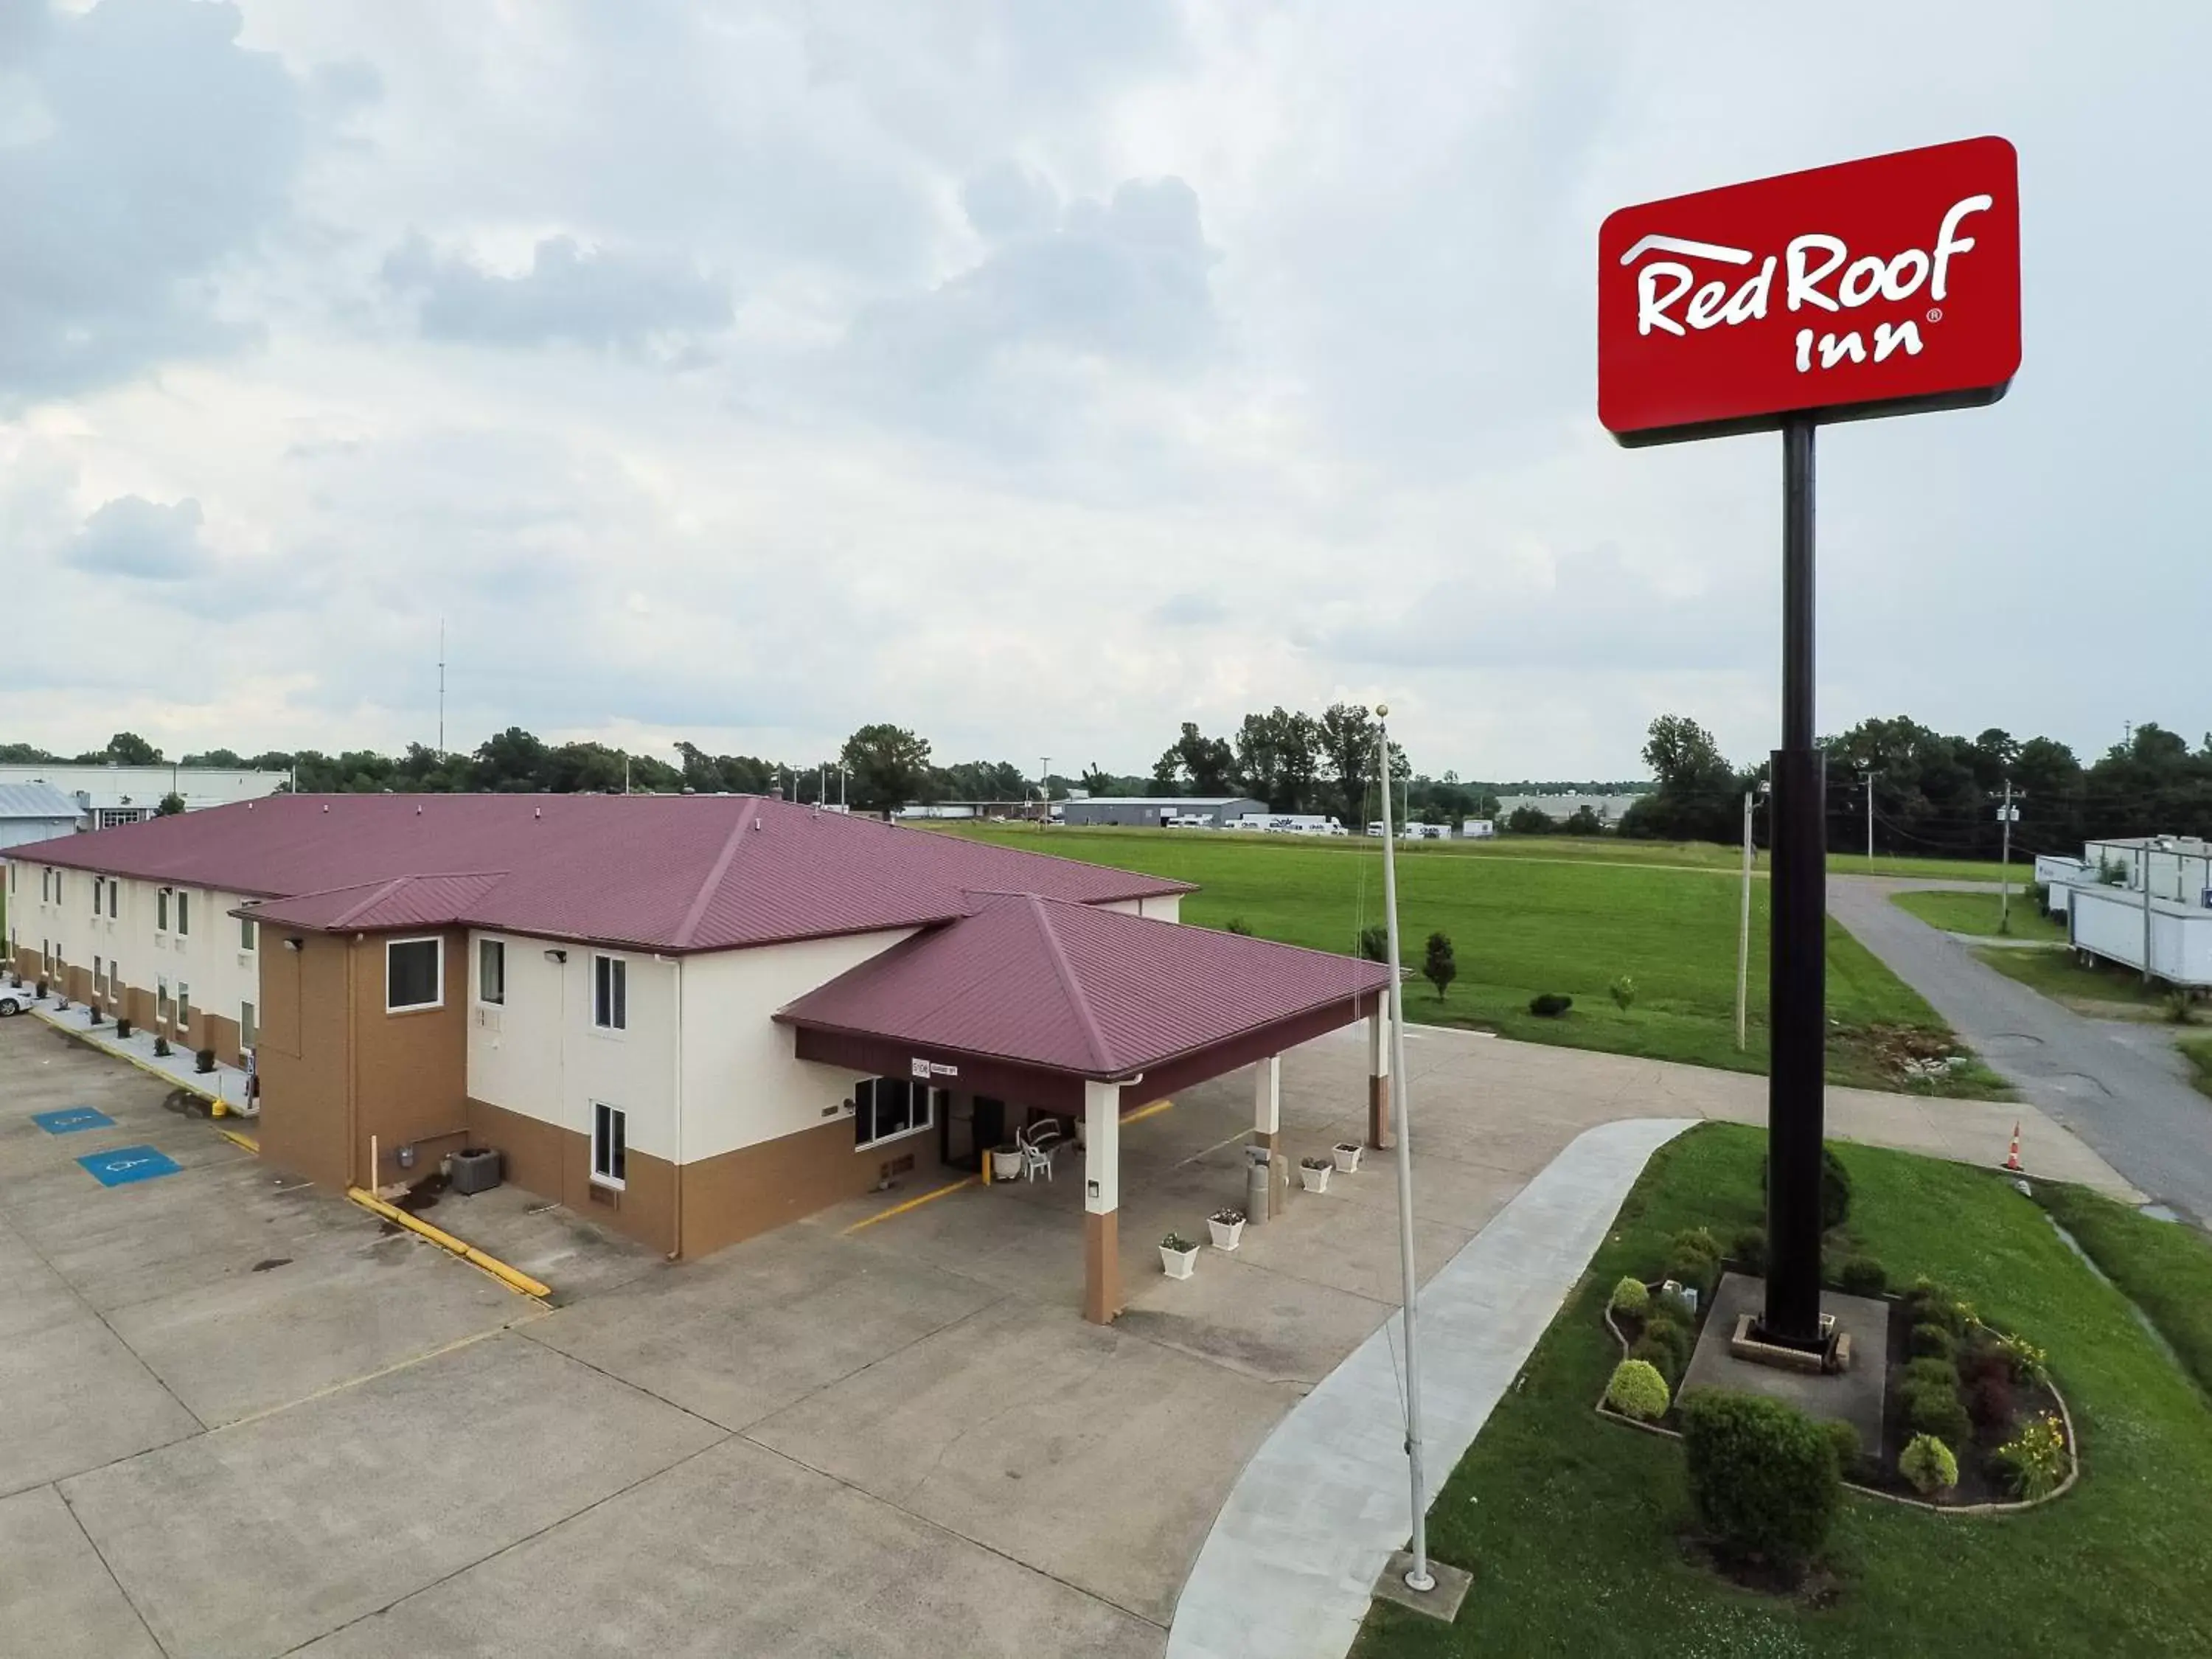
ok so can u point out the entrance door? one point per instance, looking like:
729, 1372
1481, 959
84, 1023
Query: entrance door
972, 1125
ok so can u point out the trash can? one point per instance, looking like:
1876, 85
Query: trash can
475, 1169
1257, 1175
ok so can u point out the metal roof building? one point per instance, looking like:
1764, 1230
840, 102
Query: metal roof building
34, 812
1152, 810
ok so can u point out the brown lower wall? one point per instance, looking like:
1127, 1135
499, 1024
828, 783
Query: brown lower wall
755, 1188
556, 1163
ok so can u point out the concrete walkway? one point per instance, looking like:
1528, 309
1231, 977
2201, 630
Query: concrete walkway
1289, 1569
2129, 1105
226, 1084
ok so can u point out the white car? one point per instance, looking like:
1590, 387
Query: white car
17, 999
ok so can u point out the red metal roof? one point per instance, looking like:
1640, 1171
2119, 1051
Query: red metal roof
1099, 994
665, 872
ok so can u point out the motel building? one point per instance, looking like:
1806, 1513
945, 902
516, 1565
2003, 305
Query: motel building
690, 1018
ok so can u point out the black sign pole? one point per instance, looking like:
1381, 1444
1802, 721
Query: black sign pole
1797, 965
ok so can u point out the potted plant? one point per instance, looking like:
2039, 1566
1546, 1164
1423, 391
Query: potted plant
1178, 1255
1347, 1156
122, 1026
161, 1046
1228, 1226
204, 1061
92, 1013
1006, 1161
1314, 1174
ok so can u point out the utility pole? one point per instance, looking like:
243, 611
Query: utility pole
2006, 814
1867, 777
441, 688
1743, 930
1418, 1577
1044, 791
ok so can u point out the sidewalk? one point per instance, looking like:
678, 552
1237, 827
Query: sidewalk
226, 1084
1290, 1567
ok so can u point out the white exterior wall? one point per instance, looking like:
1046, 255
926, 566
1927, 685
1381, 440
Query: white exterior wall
744, 1082
1168, 907
2109, 921
205, 957
539, 1054
140, 789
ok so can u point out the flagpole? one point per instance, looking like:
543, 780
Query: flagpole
1418, 1577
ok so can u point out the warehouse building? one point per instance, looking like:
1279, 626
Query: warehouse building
105, 796
1152, 810
34, 812
692, 1018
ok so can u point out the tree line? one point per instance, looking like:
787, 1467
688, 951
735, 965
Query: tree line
1938, 795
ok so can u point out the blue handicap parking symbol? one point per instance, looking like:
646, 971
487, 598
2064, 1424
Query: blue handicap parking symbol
70, 1119
128, 1163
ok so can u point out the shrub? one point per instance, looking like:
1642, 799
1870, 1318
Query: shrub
204, 1060
1989, 1400
1623, 992
2180, 1008
1750, 1248
1375, 943
1937, 1411
2023, 1359
1844, 1441
1928, 1463
1931, 1303
1835, 1189
1176, 1242
1662, 1356
1931, 1341
1439, 966
1637, 1390
1935, 1373
1677, 1342
161, 1047
1665, 1304
122, 1027
1861, 1275
1238, 925
1762, 1474
1631, 1299
1696, 1240
1549, 1005
2034, 1460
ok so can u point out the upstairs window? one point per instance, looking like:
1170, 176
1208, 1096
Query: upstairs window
611, 993
183, 912
162, 911
491, 970
249, 933
414, 974
99, 891
112, 897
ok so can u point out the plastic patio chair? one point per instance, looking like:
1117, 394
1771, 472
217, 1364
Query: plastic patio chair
1039, 1143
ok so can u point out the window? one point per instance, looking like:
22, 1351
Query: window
249, 1025
161, 996
162, 911
99, 974
183, 1004
184, 913
112, 897
99, 891
885, 1108
249, 933
611, 993
609, 1144
414, 974
491, 970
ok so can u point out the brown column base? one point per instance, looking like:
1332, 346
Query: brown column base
1378, 1113
1101, 1266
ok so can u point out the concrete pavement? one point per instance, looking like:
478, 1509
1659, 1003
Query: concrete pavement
2131, 1106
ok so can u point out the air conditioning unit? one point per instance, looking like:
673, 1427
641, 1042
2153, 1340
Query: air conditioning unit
487, 1019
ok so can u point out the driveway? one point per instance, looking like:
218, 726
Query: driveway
2124, 1099
246, 1418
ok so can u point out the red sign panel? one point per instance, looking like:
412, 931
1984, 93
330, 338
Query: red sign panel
1874, 288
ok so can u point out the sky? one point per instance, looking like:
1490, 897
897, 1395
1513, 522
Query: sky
1040, 376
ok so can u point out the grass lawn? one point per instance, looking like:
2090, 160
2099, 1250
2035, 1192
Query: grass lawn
2164, 1267
1978, 914
2101, 988
1573, 1526
1523, 924
2198, 1051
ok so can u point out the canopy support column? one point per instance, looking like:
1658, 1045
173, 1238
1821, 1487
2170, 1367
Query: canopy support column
1378, 1078
1102, 1201
1268, 1129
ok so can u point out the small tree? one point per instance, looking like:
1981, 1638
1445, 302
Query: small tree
1528, 821
1375, 943
1438, 967
171, 804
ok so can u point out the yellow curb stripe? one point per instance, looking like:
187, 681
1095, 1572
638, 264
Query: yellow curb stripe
514, 1278
238, 1139
911, 1204
109, 1049
1143, 1112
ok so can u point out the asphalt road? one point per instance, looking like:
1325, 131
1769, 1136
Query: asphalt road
2126, 1102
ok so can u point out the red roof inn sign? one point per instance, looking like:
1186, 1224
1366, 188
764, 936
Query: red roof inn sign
1879, 287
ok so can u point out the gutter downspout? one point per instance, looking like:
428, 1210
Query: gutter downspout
352, 1103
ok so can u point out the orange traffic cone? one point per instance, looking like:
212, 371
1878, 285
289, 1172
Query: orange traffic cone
2011, 1158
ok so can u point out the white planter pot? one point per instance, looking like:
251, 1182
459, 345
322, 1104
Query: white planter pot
1177, 1264
1347, 1157
1313, 1180
1005, 1166
1226, 1234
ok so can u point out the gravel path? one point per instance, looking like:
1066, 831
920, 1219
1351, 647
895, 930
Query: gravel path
2129, 1103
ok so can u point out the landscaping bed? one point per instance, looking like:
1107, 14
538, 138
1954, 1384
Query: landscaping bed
1582, 1536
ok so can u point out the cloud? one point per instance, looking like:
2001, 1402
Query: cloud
149, 150
1189, 611
131, 536
625, 300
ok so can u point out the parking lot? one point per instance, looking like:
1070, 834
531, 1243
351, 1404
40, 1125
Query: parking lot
245, 1417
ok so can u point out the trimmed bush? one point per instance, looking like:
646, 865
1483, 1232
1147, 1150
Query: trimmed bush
1835, 1189
1694, 1258
1749, 1248
1677, 1341
161, 1047
1631, 1299
1930, 1304
1938, 1412
1698, 1239
204, 1060
1762, 1474
1549, 1005
1662, 1356
1931, 1372
1861, 1275
122, 1028
1931, 1341
1844, 1440
1989, 1400
1927, 1462
1665, 1304
1637, 1390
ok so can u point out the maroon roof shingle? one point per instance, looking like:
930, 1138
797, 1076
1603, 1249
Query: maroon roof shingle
663, 872
1099, 994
